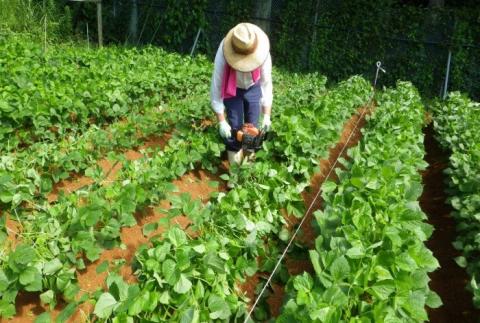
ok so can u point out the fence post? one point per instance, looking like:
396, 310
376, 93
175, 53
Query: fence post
447, 74
195, 42
314, 35
88, 38
99, 23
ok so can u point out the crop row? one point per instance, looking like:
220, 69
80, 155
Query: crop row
29, 175
194, 275
55, 239
457, 122
49, 95
370, 262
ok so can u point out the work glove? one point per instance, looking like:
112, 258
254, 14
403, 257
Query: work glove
266, 123
225, 129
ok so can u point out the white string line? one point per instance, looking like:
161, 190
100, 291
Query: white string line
306, 213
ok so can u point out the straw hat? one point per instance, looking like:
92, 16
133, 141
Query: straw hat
246, 47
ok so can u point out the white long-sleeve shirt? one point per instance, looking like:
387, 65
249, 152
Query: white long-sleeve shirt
244, 81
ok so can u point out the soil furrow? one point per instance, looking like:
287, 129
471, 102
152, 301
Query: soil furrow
450, 280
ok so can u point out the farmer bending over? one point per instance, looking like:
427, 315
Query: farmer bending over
241, 84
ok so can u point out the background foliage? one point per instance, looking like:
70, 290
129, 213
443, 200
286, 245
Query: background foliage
334, 38
50, 18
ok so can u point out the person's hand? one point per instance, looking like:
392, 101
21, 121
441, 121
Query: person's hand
225, 129
266, 123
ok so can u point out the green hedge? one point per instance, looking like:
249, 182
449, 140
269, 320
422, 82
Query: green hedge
347, 37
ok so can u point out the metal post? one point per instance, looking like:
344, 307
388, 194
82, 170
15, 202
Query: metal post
314, 35
99, 23
45, 37
195, 42
447, 74
88, 38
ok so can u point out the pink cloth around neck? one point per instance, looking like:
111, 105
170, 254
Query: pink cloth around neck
229, 81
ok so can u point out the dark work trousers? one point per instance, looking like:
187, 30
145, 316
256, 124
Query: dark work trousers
244, 108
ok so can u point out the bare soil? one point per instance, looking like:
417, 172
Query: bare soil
450, 280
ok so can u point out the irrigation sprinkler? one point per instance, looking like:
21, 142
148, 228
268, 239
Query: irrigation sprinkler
379, 68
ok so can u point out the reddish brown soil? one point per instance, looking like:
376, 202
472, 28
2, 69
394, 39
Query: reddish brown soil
248, 287
450, 280
275, 300
348, 138
156, 142
13, 231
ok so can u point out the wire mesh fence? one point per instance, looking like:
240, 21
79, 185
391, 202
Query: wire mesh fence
334, 38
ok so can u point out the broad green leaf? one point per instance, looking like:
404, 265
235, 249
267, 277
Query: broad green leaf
164, 298
303, 283
183, 285
47, 297
328, 186
340, 268
213, 184
92, 252
31, 279
355, 252
199, 290
315, 259
190, 315
433, 300
123, 318
176, 236
461, 261
169, 270
52, 266
284, 234
23, 254
102, 267
7, 309
149, 228
424, 258
162, 251
200, 248
320, 313
28, 275
4, 282
219, 309
70, 292
92, 217
213, 261
140, 304
383, 289
67, 312
105, 305
414, 191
